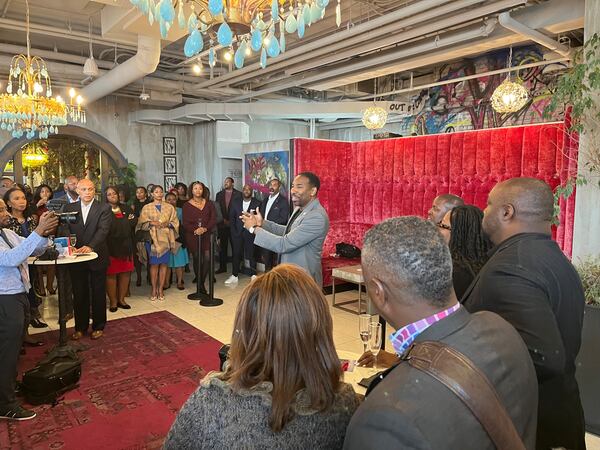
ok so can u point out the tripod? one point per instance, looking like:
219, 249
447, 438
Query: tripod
206, 299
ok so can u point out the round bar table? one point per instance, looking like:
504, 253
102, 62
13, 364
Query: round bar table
61, 273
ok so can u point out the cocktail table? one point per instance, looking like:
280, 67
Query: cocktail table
351, 274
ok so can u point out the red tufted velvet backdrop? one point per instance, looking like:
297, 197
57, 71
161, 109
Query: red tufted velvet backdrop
363, 183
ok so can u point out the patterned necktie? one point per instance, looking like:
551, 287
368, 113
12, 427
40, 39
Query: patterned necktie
23, 268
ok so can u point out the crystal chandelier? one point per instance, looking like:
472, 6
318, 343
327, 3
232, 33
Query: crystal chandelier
374, 117
242, 26
510, 96
32, 109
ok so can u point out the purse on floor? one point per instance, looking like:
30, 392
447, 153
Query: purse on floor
58, 373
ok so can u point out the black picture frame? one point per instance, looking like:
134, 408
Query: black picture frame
169, 146
170, 182
170, 165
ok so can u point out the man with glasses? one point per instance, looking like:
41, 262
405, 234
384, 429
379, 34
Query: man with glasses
441, 205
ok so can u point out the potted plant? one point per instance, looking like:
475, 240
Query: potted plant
588, 360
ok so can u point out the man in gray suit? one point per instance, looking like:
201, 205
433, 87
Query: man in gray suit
299, 242
408, 273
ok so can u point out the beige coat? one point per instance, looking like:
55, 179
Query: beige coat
163, 239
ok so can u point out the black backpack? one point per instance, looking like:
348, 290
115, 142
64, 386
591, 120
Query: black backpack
56, 374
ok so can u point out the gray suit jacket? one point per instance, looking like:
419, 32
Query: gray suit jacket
303, 245
410, 409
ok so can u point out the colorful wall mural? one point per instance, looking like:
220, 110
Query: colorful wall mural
260, 168
467, 106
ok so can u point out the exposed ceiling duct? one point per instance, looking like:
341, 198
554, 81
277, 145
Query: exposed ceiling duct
143, 63
511, 24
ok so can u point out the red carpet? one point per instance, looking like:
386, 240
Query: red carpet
134, 380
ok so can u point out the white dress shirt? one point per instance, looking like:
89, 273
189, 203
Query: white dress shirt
245, 205
85, 210
270, 202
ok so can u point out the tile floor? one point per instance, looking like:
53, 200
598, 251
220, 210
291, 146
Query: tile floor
218, 321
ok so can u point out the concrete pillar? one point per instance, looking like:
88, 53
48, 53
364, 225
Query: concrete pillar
586, 232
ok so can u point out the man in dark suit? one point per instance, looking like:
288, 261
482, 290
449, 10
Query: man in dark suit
224, 199
408, 272
69, 191
91, 228
531, 283
242, 241
275, 208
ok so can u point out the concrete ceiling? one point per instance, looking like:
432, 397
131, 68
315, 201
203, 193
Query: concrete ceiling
328, 64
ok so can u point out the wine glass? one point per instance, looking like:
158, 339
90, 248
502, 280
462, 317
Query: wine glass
375, 339
199, 223
364, 320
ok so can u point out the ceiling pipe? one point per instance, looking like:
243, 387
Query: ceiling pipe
336, 38
45, 31
143, 63
451, 39
397, 32
54, 56
511, 24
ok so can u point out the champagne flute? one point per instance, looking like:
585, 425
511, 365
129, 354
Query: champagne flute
364, 320
375, 339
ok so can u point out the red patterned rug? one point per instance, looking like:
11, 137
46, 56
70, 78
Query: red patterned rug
134, 380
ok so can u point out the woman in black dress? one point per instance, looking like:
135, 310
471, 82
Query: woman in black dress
461, 229
141, 200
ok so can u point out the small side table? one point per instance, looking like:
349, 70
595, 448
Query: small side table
351, 274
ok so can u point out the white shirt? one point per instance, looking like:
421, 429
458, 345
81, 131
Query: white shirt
245, 205
70, 199
270, 202
85, 210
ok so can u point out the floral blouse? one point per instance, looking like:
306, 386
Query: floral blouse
22, 229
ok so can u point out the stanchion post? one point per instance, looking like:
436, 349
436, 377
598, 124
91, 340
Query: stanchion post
210, 300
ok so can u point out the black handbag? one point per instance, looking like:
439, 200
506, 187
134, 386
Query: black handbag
143, 236
50, 378
347, 250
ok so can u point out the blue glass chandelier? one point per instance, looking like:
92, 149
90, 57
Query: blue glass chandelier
242, 26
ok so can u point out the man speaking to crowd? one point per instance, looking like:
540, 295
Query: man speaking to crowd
299, 242
14, 304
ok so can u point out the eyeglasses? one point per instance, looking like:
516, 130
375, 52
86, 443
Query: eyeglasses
444, 226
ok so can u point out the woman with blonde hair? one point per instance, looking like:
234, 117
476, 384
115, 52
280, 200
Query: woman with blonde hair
159, 220
282, 387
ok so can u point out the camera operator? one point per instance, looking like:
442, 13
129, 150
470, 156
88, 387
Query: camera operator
14, 304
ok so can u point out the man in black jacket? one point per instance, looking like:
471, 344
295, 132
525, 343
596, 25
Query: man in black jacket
242, 241
530, 283
408, 272
224, 199
91, 228
276, 209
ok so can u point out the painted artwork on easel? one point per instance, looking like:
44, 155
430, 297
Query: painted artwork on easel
260, 168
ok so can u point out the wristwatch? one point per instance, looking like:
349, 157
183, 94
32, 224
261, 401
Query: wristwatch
251, 229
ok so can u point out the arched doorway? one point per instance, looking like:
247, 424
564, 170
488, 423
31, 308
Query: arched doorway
109, 157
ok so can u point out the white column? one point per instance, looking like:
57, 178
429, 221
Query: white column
586, 232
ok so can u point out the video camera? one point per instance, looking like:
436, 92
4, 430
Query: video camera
57, 205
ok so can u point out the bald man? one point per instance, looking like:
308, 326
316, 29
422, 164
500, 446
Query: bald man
91, 228
530, 283
441, 205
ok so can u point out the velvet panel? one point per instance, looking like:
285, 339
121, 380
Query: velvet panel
363, 183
